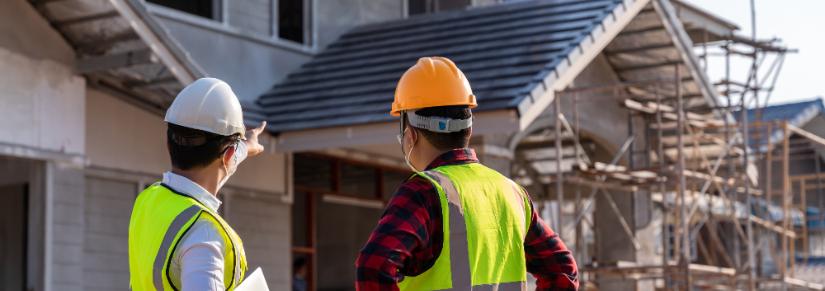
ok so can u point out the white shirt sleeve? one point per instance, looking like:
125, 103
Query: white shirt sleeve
200, 255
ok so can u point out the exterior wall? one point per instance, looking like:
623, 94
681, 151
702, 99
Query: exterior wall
38, 89
251, 15
19, 22
17, 172
42, 102
486, 2
249, 62
105, 251
333, 18
135, 142
66, 186
263, 222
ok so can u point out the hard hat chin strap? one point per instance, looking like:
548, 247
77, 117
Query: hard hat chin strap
438, 124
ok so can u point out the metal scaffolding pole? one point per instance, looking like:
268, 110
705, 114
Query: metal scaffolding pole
748, 202
786, 190
559, 174
683, 211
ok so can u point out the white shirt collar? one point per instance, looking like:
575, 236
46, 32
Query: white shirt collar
184, 185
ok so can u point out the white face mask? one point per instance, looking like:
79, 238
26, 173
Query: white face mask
238, 157
407, 154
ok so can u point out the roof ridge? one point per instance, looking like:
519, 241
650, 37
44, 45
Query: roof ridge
794, 102
470, 11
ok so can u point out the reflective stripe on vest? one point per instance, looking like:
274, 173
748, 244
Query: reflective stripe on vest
452, 270
160, 219
171, 232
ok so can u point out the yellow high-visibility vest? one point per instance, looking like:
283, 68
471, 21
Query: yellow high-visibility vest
485, 221
159, 220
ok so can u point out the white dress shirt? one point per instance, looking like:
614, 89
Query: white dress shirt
197, 262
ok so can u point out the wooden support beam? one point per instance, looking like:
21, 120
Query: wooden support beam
637, 49
803, 284
114, 61
153, 83
649, 66
38, 3
85, 18
773, 227
105, 43
656, 28
600, 184
807, 134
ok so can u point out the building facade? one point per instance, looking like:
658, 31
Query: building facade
84, 85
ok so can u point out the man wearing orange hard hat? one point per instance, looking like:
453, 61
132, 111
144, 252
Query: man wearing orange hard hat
455, 224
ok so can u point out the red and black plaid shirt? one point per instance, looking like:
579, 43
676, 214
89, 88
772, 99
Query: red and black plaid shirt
408, 239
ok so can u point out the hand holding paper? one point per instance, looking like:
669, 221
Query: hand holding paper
254, 282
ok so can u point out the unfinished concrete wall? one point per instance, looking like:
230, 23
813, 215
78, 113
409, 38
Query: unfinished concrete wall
335, 17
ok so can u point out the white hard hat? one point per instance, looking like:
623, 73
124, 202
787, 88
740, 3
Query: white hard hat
207, 104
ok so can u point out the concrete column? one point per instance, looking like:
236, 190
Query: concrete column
65, 187
612, 243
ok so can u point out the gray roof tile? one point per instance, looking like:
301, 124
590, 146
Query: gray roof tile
505, 51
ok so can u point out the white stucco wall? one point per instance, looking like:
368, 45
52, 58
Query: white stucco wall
41, 97
42, 104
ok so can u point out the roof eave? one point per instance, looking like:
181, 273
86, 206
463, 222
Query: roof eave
543, 94
685, 46
706, 26
502, 121
157, 38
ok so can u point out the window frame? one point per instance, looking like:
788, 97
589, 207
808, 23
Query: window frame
220, 16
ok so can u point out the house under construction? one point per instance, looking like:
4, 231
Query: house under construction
650, 170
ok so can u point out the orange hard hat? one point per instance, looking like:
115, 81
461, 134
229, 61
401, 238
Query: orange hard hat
432, 82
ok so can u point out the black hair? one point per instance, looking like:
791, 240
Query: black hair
191, 148
446, 141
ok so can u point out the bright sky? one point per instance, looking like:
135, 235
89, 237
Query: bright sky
799, 23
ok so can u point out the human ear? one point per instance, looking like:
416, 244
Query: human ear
228, 154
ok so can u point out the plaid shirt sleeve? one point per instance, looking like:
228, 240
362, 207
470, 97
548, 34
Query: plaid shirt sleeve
404, 240
548, 259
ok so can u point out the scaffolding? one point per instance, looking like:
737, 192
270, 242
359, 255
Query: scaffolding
710, 174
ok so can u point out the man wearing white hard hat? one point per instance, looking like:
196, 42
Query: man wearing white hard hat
177, 239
